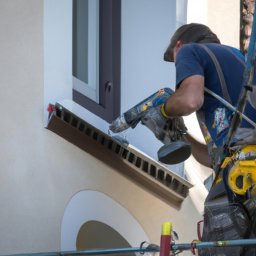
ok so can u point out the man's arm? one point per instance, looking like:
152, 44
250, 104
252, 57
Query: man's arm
199, 151
188, 98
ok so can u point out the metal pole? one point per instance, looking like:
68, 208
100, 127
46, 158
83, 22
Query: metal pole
230, 106
92, 252
174, 247
230, 243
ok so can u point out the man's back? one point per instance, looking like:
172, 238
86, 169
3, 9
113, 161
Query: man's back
194, 60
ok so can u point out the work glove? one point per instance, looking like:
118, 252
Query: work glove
180, 125
165, 128
177, 121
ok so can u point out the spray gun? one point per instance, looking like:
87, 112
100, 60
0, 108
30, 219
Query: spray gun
168, 130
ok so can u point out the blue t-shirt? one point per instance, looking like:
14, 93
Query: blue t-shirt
194, 60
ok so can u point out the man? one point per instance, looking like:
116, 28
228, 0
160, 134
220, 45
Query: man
196, 70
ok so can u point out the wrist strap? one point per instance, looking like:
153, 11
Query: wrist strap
163, 112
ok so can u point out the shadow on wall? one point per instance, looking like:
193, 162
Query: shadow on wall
98, 235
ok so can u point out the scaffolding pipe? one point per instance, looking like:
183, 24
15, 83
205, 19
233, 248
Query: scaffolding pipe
93, 252
230, 243
142, 250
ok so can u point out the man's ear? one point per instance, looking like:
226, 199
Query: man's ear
168, 55
179, 44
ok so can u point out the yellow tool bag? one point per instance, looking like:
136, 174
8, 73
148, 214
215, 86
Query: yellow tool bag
242, 172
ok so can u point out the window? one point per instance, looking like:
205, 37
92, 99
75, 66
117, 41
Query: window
85, 64
96, 56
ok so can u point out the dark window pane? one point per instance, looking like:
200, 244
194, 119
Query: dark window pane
80, 40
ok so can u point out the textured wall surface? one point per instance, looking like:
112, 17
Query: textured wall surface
40, 172
247, 15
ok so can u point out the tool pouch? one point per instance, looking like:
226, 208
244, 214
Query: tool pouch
250, 205
225, 218
226, 222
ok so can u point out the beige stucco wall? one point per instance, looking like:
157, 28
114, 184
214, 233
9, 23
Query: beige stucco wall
40, 172
224, 20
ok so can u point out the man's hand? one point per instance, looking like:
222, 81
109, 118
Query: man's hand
180, 125
161, 125
157, 123
188, 98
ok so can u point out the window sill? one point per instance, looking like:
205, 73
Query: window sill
130, 161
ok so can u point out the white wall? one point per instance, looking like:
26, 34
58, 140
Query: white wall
147, 26
197, 11
181, 12
57, 52
40, 172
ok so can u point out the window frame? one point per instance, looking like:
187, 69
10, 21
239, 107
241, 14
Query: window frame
109, 64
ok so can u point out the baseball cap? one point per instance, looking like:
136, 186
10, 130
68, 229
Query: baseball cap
190, 33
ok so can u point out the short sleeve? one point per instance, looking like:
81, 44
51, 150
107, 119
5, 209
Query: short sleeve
187, 64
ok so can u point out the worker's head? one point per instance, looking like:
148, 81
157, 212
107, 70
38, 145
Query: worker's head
189, 33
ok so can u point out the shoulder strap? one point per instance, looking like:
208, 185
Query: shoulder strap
219, 72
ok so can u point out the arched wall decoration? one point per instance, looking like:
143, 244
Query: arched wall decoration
90, 205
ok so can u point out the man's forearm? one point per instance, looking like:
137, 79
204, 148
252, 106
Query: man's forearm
199, 151
176, 106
